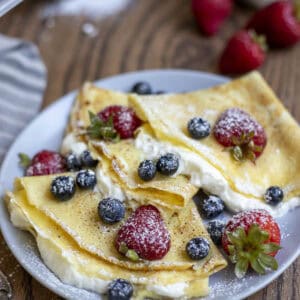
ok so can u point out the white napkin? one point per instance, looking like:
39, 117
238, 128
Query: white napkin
23, 79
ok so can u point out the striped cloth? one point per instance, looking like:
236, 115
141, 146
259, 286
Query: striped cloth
22, 84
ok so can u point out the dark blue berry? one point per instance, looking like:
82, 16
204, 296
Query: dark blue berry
87, 160
215, 229
73, 163
86, 179
111, 210
212, 206
274, 195
142, 88
147, 170
198, 128
63, 187
197, 248
120, 289
168, 164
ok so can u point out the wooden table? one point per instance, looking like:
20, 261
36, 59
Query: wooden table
146, 35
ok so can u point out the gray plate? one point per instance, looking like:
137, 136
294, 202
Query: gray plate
46, 131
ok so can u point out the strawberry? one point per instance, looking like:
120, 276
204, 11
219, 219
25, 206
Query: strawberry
252, 238
144, 235
245, 51
44, 162
243, 135
211, 14
124, 119
279, 22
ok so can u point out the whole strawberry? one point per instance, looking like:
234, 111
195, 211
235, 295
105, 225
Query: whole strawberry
211, 14
279, 22
237, 130
144, 235
124, 119
44, 162
245, 51
252, 238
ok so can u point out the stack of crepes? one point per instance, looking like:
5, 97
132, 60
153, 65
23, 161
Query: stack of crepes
79, 248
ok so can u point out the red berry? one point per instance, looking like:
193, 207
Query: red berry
145, 234
252, 238
46, 162
243, 53
211, 14
124, 119
279, 22
236, 128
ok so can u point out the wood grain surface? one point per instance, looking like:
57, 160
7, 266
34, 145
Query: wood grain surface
148, 34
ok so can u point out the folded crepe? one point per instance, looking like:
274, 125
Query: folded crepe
72, 233
279, 164
124, 156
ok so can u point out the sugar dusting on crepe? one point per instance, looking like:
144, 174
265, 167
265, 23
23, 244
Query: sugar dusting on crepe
96, 9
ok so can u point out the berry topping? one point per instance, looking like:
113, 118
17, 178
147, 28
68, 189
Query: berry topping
63, 188
46, 162
211, 14
274, 195
144, 235
252, 238
212, 206
142, 88
124, 120
86, 179
120, 289
240, 132
279, 22
198, 128
168, 164
245, 51
197, 248
147, 170
111, 210
215, 229
87, 160
72, 162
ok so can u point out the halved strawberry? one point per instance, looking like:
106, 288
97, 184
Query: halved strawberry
252, 238
144, 235
237, 130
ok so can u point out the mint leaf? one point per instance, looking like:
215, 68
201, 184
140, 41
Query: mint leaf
24, 160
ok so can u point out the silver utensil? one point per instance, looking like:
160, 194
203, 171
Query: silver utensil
7, 5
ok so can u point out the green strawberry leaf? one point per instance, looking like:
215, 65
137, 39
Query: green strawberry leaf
269, 248
268, 261
257, 266
24, 160
241, 268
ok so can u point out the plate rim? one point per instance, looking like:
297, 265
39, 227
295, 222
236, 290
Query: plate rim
64, 98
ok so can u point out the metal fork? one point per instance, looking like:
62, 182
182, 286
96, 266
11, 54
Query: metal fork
7, 5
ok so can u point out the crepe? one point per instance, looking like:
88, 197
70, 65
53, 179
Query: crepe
72, 232
279, 163
125, 157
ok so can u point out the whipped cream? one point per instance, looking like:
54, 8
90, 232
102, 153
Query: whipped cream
71, 144
205, 176
171, 290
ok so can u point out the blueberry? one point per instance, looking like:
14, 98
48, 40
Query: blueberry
274, 195
87, 160
120, 289
198, 128
142, 88
73, 163
63, 187
197, 248
212, 206
86, 179
147, 170
215, 229
168, 164
111, 210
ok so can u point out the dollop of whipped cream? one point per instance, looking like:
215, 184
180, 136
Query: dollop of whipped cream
203, 175
72, 144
